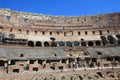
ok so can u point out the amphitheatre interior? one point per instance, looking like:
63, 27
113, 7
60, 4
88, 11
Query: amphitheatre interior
45, 47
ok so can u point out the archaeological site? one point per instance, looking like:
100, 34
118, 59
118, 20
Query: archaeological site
45, 47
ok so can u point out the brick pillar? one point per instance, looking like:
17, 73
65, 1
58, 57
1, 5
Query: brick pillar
60, 61
67, 61
42, 44
9, 62
36, 62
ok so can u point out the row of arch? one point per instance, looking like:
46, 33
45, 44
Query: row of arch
110, 39
104, 41
61, 43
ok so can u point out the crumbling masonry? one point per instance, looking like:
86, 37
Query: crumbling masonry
40, 47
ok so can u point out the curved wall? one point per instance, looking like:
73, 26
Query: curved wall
41, 28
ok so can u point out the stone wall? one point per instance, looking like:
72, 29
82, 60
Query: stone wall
23, 19
111, 74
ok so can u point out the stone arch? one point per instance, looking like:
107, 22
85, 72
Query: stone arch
76, 43
69, 44
90, 43
53, 44
61, 43
100, 32
87, 59
111, 39
98, 43
12, 36
118, 36
46, 44
31, 43
38, 44
104, 40
83, 43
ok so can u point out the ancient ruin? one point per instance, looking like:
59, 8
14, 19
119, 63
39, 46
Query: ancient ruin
45, 47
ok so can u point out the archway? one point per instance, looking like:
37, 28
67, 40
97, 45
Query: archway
69, 44
53, 44
111, 39
76, 43
104, 40
118, 36
46, 44
38, 44
83, 43
12, 36
98, 43
61, 43
90, 43
31, 43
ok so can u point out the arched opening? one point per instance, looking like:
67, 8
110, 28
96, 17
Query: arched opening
98, 43
53, 44
112, 76
69, 44
61, 44
38, 44
118, 42
21, 55
94, 59
117, 58
90, 43
12, 36
87, 59
11, 39
76, 43
104, 40
46, 44
111, 39
110, 20
118, 36
100, 32
31, 43
109, 58
83, 43
2, 63
99, 53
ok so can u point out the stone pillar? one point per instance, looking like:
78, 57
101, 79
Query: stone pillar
42, 44
113, 58
36, 62
5, 65
67, 61
61, 61
28, 61
34, 43
80, 44
86, 43
72, 44
94, 43
101, 43
44, 62
65, 44
75, 60
57, 44
9, 62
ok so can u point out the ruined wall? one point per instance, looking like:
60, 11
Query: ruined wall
22, 19
38, 27
111, 74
